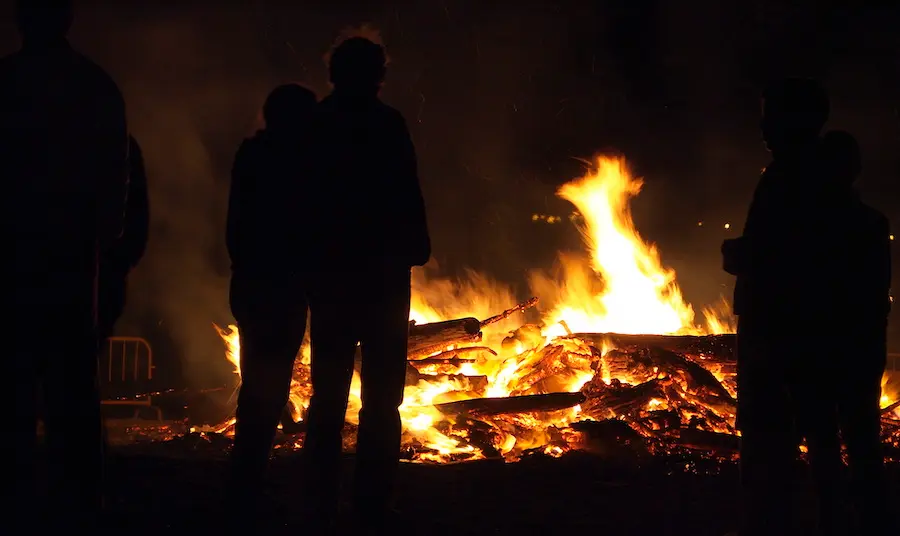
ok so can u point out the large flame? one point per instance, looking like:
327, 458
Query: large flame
620, 286
623, 287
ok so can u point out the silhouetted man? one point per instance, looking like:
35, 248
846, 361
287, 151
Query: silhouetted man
789, 236
63, 155
267, 237
370, 217
119, 260
866, 302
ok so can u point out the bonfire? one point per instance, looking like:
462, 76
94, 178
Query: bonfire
612, 355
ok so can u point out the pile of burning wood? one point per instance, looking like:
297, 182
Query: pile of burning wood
651, 394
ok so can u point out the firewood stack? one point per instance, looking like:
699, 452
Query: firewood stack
675, 393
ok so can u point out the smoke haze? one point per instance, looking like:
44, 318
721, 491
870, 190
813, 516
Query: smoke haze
501, 98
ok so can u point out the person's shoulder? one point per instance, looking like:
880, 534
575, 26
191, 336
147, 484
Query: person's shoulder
872, 218
92, 73
389, 113
252, 145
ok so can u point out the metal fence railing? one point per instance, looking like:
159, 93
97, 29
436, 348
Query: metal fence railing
127, 372
893, 362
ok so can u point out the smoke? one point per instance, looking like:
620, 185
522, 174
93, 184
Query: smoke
499, 97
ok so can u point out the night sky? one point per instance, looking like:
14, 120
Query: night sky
501, 97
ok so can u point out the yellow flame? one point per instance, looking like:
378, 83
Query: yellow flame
621, 286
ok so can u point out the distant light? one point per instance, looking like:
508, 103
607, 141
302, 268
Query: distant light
892, 237
699, 224
728, 226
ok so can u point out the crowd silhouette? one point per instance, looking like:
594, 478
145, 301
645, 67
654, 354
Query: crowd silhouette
326, 215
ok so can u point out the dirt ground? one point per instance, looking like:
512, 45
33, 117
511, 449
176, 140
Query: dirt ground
159, 489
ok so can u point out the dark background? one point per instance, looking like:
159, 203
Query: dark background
501, 97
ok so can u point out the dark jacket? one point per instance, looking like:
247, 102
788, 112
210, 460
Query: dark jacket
267, 232
368, 207
796, 228
129, 249
869, 270
63, 155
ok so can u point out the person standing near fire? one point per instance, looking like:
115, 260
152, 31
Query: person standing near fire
796, 226
128, 250
267, 234
867, 305
368, 209
64, 158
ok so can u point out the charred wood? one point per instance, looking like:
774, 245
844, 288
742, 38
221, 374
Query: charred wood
612, 438
699, 379
514, 404
468, 354
547, 362
427, 339
708, 441
620, 399
719, 348
531, 302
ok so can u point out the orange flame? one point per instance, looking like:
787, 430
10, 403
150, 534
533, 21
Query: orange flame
622, 287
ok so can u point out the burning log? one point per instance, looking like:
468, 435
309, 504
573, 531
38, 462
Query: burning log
620, 399
457, 356
427, 339
699, 379
610, 438
513, 404
531, 302
888, 410
547, 363
716, 348
708, 441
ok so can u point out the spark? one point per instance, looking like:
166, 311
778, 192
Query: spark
728, 226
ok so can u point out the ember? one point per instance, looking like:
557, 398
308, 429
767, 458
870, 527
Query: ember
617, 344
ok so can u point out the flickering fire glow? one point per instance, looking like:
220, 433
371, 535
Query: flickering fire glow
618, 285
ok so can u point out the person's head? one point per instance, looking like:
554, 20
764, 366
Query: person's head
843, 156
357, 65
794, 112
44, 20
287, 107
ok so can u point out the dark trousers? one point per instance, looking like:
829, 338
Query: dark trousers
768, 441
860, 422
786, 391
373, 310
56, 378
112, 285
271, 317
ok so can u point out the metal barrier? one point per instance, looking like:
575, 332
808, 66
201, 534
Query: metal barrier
125, 351
893, 363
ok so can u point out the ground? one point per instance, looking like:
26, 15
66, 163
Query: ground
156, 491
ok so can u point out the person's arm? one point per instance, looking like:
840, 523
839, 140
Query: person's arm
884, 261
137, 213
110, 168
416, 224
734, 258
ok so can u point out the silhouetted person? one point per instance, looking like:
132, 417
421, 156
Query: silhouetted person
63, 155
866, 303
119, 260
370, 216
790, 235
268, 237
